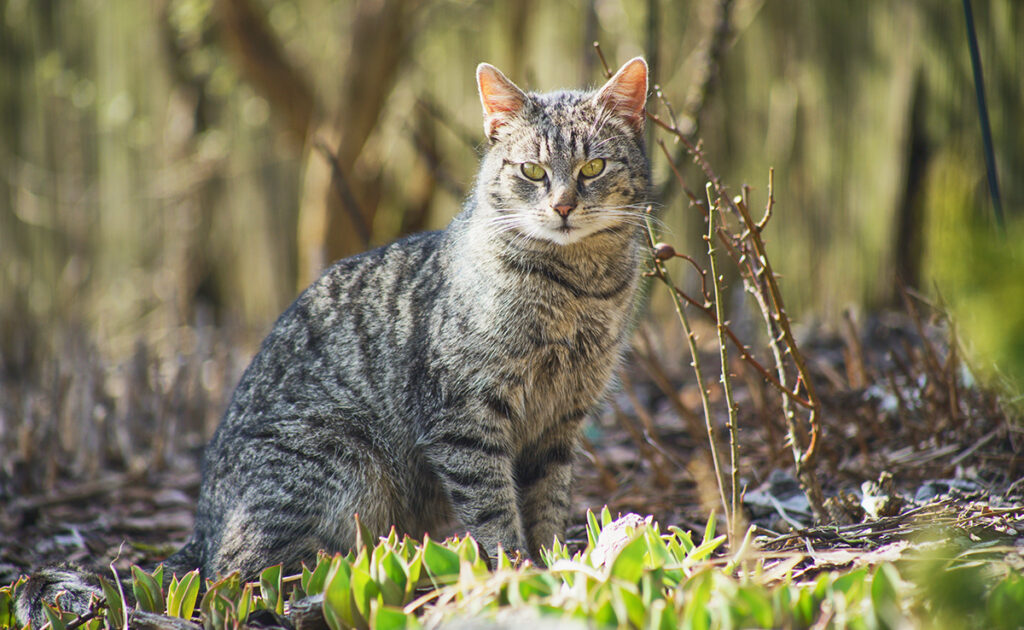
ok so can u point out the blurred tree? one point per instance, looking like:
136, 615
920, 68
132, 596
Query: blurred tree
159, 158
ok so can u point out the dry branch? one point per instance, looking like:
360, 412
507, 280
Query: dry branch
723, 349
662, 274
748, 252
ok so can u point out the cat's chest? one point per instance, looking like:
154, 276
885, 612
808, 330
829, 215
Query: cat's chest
558, 357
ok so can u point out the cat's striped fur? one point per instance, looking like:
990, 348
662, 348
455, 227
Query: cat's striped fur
444, 376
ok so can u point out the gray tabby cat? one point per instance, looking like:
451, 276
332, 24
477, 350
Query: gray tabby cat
444, 375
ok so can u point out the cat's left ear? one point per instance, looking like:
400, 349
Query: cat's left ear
626, 92
502, 99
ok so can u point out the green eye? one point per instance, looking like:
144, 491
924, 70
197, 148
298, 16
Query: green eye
592, 168
533, 171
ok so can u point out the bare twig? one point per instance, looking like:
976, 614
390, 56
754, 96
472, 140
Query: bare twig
723, 349
778, 316
607, 70
691, 339
742, 262
748, 252
745, 351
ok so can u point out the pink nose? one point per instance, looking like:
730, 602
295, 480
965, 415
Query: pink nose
564, 211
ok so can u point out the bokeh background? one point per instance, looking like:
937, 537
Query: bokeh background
172, 172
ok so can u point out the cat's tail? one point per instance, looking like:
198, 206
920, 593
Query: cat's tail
71, 587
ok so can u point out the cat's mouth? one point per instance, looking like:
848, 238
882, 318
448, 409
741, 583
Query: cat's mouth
565, 232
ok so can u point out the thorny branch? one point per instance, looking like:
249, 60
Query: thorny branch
723, 349
781, 319
747, 250
705, 306
691, 340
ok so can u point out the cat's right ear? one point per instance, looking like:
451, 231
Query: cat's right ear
626, 92
502, 99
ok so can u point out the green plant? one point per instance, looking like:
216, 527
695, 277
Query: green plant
630, 574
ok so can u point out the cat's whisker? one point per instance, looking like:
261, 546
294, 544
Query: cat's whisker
602, 118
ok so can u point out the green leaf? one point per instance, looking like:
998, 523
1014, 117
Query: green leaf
271, 589
55, 618
681, 539
187, 592
604, 615
392, 578
536, 586
246, 603
173, 598
705, 549
339, 607
661, 616
851, 584
756, 605
149, 596
695, 612
593, 529
6, 608
652, 585
364, 537
441, 564
391, 618
657, 550
629, 606
115, 603
218, 605
606, 516
364, 588
313, 581
191, 583
158, 576
414, 569
1006, 603
628, 565
709, 531
884, 598
503, 563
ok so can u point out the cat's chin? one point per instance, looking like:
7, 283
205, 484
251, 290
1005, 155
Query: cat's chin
567, 235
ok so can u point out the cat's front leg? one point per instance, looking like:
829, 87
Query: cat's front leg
544, 478
476, 470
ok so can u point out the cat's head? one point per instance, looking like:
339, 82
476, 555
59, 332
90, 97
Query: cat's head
563, 166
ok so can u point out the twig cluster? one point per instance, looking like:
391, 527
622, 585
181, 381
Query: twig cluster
743, 244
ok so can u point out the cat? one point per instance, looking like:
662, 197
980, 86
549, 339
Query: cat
446, 375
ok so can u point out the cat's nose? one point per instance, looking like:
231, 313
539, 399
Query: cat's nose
564, 210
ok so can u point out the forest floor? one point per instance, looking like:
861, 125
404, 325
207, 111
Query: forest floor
913, 450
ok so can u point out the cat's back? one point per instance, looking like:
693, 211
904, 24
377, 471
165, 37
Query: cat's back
336, 345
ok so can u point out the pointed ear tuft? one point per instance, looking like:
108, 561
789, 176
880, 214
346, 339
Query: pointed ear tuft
626, 92
501, 99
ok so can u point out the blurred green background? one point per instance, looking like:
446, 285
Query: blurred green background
164, 162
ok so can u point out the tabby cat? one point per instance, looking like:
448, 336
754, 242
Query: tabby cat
443, 376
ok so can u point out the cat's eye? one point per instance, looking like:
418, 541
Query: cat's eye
592, 168
533, 171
